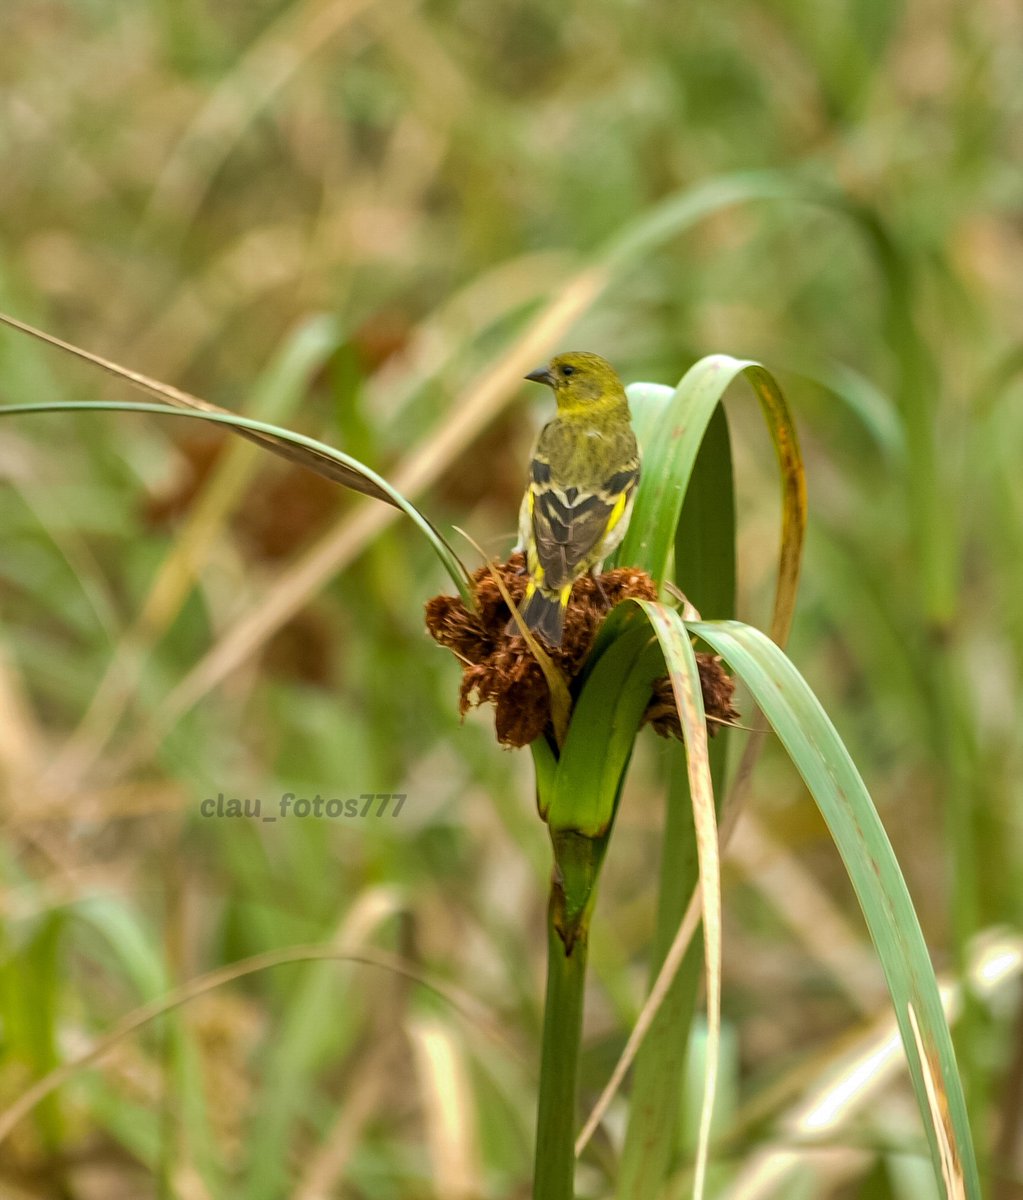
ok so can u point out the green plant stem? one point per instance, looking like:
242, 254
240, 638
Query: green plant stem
559, 1065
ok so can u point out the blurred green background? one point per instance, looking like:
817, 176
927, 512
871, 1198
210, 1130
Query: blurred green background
365, 221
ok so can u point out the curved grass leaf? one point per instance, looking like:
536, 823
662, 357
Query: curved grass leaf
689, 205
705, 535
315, 456
29, 1099
275, 392
670, 433
684, 674
601, 734
868, 404
546, 760
578, 795
586, 786
545, 766
271, 436
824, 763
705, 571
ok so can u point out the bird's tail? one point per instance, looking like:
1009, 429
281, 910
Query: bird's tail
544, 613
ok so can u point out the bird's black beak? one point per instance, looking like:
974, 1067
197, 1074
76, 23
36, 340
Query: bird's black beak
541, 375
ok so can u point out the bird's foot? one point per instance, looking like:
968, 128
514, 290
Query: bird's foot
600, 591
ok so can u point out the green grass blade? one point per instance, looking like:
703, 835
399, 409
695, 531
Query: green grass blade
545, 765
304, 1038
686, 207
30, 967
310, 455
130, 946
684, 674
352, 468
601, 735
821, 758
670, 439
658, 1074
648, 403
705, 571
705, 535
588, 778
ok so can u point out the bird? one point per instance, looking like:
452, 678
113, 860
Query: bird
583, 475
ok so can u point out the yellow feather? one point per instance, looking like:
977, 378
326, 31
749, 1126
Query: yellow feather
616, 512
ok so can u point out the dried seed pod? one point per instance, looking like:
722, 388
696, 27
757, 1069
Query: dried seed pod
500, 669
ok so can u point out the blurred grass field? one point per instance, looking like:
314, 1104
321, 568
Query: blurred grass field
349, 218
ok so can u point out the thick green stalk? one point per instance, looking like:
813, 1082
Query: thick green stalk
562, 1032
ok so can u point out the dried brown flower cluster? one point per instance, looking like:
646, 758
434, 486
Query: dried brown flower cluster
501, 668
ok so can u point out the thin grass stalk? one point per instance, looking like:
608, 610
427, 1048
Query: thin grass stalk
554, 1175
652, 1136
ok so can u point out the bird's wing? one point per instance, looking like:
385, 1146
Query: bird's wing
571, 522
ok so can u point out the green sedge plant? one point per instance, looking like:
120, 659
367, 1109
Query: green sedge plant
682, 535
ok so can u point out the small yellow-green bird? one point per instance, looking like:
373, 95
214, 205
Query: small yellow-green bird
582, 482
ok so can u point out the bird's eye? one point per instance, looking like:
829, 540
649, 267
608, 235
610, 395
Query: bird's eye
567, 370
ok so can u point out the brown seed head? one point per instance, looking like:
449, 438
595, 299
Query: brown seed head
502, 670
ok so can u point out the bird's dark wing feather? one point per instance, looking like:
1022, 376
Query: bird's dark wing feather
570, 522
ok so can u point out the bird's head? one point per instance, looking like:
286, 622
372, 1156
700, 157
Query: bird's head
580, 380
